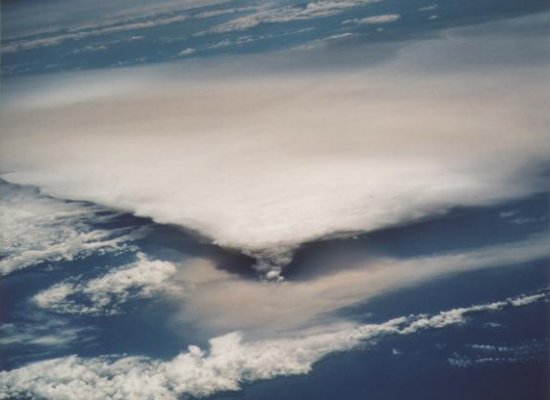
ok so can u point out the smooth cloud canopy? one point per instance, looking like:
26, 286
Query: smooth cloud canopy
269, 162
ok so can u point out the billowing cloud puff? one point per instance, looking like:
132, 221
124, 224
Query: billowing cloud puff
103, 295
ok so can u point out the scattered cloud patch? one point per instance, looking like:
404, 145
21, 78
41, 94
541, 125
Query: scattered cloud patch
524, 300
93, 49
525, 220
428, 8
457, 315
214, 13
38, 229
240, 40
374, 20
104, 295
513, 217
41, 19
86, 32
479, 354
49, 333
507, 214
186, 52
329, 40
268, 14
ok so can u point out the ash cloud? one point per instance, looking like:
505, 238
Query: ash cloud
266, 162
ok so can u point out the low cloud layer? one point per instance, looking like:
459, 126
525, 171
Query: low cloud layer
375, 19
39, 229
274, 13
88, 32
105, 294
477, 354
229, 361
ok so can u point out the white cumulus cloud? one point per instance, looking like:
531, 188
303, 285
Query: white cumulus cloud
37, 229
104, 295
